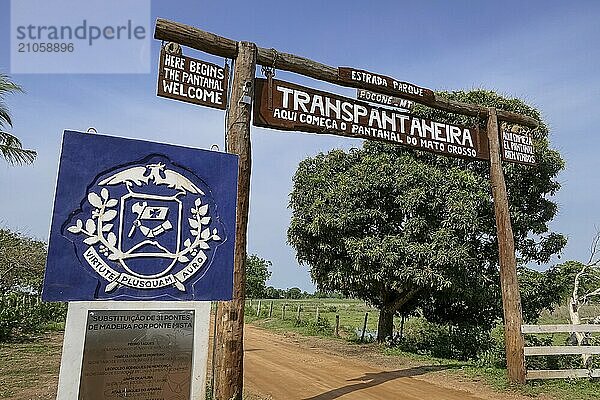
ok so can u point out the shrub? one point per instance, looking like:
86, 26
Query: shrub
22, 315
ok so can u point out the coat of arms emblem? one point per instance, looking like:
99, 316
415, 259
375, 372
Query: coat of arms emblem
147, 225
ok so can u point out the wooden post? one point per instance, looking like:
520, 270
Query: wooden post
271, 310
283, 311
230, 337
258, 309
511, 297
362, 337
337, 325
402, 326
317, 315
298, 314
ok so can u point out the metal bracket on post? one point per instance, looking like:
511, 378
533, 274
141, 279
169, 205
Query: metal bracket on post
173, 48
246, 93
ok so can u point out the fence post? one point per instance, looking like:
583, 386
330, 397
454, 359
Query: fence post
362, 337
317, 316
337, 325
298, 314
271, 310
283, 311
258, 309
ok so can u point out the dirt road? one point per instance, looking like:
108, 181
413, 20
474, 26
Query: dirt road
288, 369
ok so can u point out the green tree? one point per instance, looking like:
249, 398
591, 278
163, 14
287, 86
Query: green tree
390, 224
257, 275
22, 261
293, 293
10, 146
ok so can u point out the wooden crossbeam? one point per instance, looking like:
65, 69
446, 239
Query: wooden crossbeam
560, 350
562, 373
567, 328
223, 47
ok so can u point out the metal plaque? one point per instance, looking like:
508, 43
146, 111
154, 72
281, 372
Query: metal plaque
298, 108
384, 99
376, 82
517, 148
137, 354
192, 80
137, 220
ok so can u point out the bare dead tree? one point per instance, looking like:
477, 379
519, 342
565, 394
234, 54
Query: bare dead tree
580, 299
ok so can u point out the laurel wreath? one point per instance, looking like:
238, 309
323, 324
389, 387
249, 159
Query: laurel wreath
103, 213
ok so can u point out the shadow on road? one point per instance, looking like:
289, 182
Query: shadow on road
370, 379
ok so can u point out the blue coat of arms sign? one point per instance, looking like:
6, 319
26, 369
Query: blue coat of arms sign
136, 220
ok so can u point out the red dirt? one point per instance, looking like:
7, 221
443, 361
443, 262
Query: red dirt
288, 368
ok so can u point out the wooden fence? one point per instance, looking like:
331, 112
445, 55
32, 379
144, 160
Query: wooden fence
561, 350
305, 312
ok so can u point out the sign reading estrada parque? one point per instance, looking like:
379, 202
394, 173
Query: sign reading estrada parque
298, 108
373, 81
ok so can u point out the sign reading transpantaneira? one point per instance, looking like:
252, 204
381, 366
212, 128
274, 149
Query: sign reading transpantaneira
517, 148
191, 80
371, 81
298, 108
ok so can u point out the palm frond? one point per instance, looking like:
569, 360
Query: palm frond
12, 150
6, 87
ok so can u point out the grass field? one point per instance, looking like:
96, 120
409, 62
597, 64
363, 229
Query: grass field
29, 370
351, 312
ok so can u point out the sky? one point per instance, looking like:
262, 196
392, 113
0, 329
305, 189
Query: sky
544, 52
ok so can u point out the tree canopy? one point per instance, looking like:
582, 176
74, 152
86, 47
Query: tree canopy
22, 261
391, 224
257, 275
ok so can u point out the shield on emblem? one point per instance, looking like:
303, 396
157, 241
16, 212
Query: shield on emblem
149, 233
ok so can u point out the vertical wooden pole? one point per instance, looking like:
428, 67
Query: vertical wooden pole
230, 337
362, 337
337, 325
317, 316
258, 309
271, 310
511, 297
283, 311
298, 314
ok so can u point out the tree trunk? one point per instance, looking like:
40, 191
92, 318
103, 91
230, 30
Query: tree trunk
385, 326
580, 336
574, 305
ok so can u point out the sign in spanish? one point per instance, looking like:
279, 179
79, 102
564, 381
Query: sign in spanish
375, 82
137, 220
384, 99
191, 80
142, 354
298, 108
517, 148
